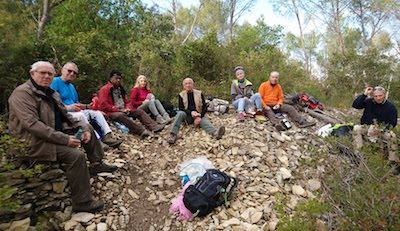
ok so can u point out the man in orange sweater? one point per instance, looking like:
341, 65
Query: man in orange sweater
272, 101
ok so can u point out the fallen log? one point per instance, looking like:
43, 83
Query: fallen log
322, 116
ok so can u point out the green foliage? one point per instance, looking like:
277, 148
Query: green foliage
10, 169
364, 195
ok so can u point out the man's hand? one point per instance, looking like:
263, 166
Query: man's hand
266, 107
276, 107
73, 107
246, 99
197, 121
195, 114
86, 137
368, 90
126, 110
73, 142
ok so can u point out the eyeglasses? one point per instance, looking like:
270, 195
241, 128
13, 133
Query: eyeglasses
379, 88
45, 72
72, 71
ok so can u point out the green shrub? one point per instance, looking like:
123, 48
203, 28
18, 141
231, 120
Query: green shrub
10, 168
365, 195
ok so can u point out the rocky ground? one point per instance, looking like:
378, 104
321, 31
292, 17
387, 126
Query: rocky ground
268, 165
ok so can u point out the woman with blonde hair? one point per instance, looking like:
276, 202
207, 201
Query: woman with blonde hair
142, 98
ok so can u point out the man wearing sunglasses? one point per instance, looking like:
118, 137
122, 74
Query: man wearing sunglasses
38, 115
378, 113
63, 85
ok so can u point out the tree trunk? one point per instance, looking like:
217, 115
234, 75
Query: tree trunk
303, 46
45, 17
173, 13
232, 5
192, 26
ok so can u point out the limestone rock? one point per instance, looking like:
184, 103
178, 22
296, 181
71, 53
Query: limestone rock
298, 190
285, 173
21, 225
101, 226
313, 184
82, 217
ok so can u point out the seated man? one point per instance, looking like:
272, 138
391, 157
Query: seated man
242, 94
377, 111
272, 100
114, 102
192, 109
63, 85
38, 115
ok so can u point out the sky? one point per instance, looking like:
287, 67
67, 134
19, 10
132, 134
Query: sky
262, 7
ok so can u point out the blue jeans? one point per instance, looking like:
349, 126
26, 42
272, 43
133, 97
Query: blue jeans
241, 103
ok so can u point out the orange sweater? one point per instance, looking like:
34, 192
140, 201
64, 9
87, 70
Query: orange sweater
270, 94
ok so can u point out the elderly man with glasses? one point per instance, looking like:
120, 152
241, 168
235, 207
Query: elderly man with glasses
63, 85
378, 111
38, 115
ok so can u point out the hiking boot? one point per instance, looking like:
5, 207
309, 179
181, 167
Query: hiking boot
259, 112
304, 123
101, 167
172, 138
111, 141
279, 127
160, 120
157, 128
145, 133
91, 206
167, 118
104, 146
219, 132
241, 117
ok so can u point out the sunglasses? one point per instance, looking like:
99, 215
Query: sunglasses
378, 88
72, 71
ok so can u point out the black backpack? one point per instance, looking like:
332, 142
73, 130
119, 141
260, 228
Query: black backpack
209, 192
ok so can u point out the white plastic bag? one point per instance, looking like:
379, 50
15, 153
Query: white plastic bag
194, 169
325, 131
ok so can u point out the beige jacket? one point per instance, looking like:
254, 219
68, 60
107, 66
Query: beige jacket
32, 118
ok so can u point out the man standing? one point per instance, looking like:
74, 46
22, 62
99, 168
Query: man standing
377, 111
272, 100
38, 115
192, 109
114, 102
63, 85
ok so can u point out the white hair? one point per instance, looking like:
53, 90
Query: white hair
37, 64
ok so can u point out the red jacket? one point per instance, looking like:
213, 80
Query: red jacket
138, 95
106, 99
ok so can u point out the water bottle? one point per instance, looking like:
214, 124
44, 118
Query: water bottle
78, 134
286, 123
121, 127
192, 172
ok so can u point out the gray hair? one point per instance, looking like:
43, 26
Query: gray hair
37, 64
379, 88
275, 73
71, 63
188, 79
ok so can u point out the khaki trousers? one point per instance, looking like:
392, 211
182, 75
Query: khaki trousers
389, 137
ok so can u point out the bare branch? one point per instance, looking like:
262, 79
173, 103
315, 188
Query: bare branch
192, 26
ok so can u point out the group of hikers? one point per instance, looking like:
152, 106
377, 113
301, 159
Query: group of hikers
46, 111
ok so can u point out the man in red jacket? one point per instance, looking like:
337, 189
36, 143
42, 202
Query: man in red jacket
272, 100
114, 102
